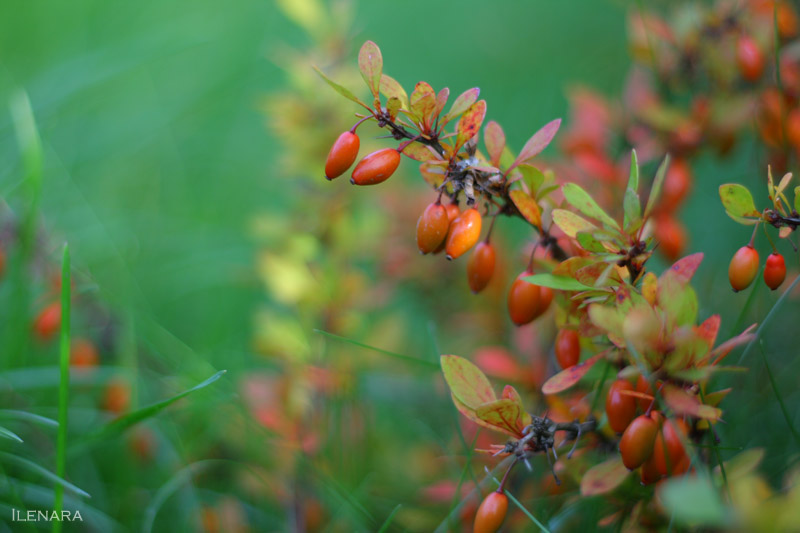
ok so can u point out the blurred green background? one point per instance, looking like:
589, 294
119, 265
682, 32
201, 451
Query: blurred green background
157, 159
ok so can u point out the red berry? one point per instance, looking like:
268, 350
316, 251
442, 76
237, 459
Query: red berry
643, 386
376, 168
452, 213
48, 322
774, 271
743, 268
568, 348
432, 228
83, 354
671, 237
491, 513
668, 451
524, 300
636, 444
117, 396
793, 128
749, 58
649, 472
343, 152
620, 408
677, 183
480, 267
545, 299
464, 233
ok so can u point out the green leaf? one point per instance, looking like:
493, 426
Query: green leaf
797, 198
466, 381
341, 90
633, 177
570, 223
560, 283
124, 422
461, 104
693, 501
583, 202
370, 62
390, 88
423, 101
470, 123
589, 243
393, 106
737, 200
532, 176
632, 206
655, 190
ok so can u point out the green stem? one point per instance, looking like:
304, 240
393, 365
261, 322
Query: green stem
780, 399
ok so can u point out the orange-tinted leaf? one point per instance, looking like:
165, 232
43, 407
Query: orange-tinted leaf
505, 415
537, 142
469, 413
432, 173
423, 101
370, 62
390, 88
393, 106
637, 394
461, 104
604, 478
683, 403
527, 207
683, 269
466, 381
719, 353
716, 397
470, 122
708, 330
441, 101
495, 140
510, 393
570, 223
420, 152
569, 377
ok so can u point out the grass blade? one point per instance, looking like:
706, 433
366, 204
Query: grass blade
30, 417
780, 398
9, 434
43, 472
63, 387
429, 364
385, 526
767, 318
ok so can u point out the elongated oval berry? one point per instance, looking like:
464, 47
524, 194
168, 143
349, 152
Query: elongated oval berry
774, 271
669, 454
568, 348
636, 444
649, 472
743, 268
464, 233
524, 300
620, 408
491, 513
643, 386
480, 267
342, 155
671, 236
545, 299
452, 213
749, 58
48, 322
432, 228
376, 168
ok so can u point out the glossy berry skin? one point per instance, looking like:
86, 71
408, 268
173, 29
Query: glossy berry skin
620, 408
636, 444
342, 155
743, 268
749, 58
774, 271
677, 183
545, 299
491, 513
48, 322
524, 300
669, 455
649, 473
568, 348
432, 228
452, 213
480, 267
465, 231
376, 168
642, 385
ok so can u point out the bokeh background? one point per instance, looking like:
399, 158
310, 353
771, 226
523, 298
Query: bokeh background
183, 146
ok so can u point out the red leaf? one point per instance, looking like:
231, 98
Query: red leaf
441, 101
527, 207
466, 381
683, 403
495, 140
708, 330
470, 123
370, 62
719, 353
683, 269
569, 377
537, 143
603, 478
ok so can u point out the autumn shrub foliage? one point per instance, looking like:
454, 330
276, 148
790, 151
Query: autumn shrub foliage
631, 347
